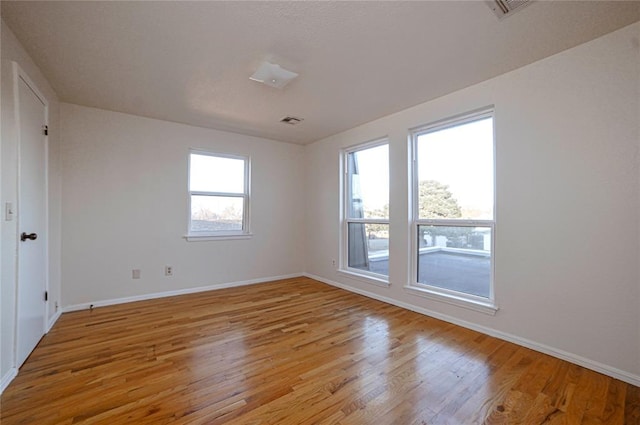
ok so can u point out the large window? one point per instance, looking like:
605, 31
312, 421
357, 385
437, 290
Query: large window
453, 209
218, 195
366, 211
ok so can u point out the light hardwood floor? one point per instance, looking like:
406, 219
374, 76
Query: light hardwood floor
296, 352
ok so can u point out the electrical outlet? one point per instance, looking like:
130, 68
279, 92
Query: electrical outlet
135, 274
333, 263
168, 270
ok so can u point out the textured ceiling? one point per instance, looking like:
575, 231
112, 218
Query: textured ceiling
190, 62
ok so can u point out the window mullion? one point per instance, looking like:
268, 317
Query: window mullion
454, 222
367, 220
221, 194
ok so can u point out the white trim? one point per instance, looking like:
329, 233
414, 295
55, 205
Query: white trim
453, 222
345, 219
214, 237
611, 371
461, 299
373, 143
218, 194
144, 297
207, 152
368, 220
364, 276
53, 320
245, 195
16, 106
454, 121
7, 378
4, 217
481, 305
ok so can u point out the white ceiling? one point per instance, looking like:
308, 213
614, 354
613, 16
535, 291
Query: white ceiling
190, 62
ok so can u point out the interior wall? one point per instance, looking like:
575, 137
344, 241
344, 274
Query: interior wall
567, 177
12, 50
125, 207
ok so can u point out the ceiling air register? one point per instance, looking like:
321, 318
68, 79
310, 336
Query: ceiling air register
504, 8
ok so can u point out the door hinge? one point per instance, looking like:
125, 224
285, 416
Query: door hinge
45, 130
46, 295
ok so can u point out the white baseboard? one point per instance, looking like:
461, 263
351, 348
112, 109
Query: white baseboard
53, 320
7, 378
13, 372
542, 348
143, 297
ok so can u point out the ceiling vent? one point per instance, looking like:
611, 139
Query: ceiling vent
291, 120
504, 8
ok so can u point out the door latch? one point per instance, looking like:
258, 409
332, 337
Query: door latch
24, 236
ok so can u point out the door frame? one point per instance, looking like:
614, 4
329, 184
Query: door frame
20, 74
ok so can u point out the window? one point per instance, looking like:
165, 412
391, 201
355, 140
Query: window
453, 210
218, 195
366, 211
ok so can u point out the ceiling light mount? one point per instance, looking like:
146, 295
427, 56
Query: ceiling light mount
273, 75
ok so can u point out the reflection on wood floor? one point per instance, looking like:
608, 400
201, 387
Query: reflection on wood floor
296, 351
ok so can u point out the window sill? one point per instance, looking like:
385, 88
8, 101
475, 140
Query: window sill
211, 237
486, 307
367, 278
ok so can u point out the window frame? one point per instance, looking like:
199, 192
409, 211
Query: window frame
245, 232
461, 299
352, 272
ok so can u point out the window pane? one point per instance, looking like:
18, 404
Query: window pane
369, 247
216, 174
455, 258
216, 213
368, 173
455, 172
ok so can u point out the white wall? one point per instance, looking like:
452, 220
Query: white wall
567, 234
13, 51
125, 207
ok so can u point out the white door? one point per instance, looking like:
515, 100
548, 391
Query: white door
32, 214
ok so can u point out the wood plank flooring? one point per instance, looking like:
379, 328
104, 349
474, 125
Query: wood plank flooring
296, 351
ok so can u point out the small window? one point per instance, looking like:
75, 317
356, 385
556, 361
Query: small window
366, 211
453, 209
218, 195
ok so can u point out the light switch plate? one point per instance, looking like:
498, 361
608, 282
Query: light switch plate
8, 211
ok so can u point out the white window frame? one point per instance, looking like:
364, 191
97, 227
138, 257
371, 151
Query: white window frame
363, 275
245, 195
461, 299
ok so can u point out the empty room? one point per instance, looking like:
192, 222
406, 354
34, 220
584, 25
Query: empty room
320, 212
